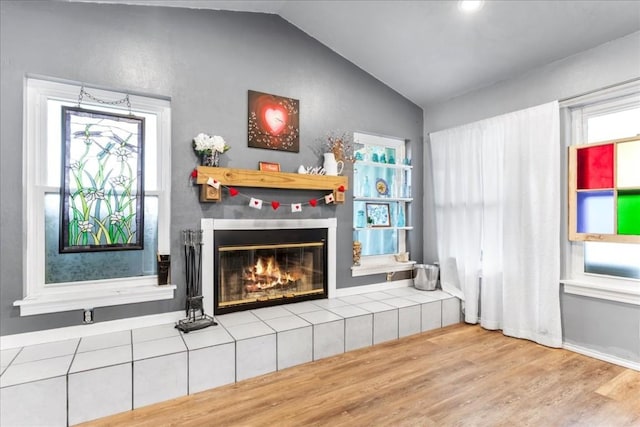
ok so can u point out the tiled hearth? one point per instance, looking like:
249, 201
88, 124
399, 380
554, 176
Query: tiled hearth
72, 381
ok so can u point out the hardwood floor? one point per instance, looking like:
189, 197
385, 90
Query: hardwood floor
461, 375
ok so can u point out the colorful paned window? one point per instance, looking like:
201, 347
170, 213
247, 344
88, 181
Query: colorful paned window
102, 186
604, 193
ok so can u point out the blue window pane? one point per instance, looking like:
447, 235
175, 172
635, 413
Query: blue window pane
595, 212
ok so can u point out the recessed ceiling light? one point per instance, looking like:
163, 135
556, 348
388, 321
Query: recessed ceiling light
470, 6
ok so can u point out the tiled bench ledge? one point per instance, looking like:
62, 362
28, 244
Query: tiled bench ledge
76, 380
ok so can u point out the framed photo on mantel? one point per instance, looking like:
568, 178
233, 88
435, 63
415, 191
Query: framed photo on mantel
269, 167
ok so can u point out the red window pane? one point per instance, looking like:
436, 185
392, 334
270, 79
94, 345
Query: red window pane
595, 167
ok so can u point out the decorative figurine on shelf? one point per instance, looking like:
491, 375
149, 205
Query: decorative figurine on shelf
357, 252
209, 148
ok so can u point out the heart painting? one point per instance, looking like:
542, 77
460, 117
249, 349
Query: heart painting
274, 122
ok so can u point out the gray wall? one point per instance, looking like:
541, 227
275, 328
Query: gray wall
609, 64
206, 61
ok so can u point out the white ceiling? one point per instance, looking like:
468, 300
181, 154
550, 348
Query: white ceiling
429, 51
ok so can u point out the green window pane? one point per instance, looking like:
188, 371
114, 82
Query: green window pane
629, 213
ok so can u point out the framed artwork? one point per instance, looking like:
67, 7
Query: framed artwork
102, 191
378, 214
269, 167
274, 122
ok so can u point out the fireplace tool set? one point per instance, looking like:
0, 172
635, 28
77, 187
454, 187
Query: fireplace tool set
196, 318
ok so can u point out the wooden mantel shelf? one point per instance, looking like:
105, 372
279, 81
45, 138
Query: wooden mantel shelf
264, 179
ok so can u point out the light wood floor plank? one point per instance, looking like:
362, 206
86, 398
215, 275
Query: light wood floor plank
461, 375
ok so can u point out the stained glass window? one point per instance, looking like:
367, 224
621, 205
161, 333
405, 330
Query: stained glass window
605, 191
102, 191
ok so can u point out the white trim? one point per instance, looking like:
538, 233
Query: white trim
608, 291
380, 265
78, 298
374, 287
209, 225
602, 356
38, 297
80, 331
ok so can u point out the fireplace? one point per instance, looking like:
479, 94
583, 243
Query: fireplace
249, 264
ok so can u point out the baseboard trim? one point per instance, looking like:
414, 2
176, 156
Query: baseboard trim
602, 356
79, 331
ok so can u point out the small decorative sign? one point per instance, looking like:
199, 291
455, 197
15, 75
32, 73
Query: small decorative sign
269, 167
274, 122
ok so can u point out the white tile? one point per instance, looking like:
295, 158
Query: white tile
270, 312
159, 379
47, 351
211, 367
213, 335
378, 296
421, 298
450, 311
295, 347
400, 302
100, 392
101, 358
301, 307
329, 303
250, 330
238, 318
328, 339
431, 316
287, 323
97, 342
154, 332
401, 292
348, 311
438, 294
160, 347
39, 403
358, 332
409, 322
2, 368
7, 355
376, 306
321, 316
355, 299
385, 326
35, 371
255, 356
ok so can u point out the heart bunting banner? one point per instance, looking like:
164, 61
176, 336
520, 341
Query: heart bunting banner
257, 203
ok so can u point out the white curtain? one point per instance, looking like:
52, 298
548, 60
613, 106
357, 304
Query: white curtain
497, 196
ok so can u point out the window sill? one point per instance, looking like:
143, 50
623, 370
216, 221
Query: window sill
608, 291
78, 297
381, 268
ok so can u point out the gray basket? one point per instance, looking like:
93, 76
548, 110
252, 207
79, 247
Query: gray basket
425, 277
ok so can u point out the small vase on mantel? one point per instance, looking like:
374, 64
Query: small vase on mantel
212, 159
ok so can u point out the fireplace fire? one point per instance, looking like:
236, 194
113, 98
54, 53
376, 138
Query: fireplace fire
237, 245
268, 267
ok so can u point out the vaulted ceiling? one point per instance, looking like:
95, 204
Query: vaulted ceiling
429, 51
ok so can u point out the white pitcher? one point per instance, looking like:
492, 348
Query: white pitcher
331, 166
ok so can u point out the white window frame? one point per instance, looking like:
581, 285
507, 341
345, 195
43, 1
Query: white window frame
38, 297
380, 264
579, 282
